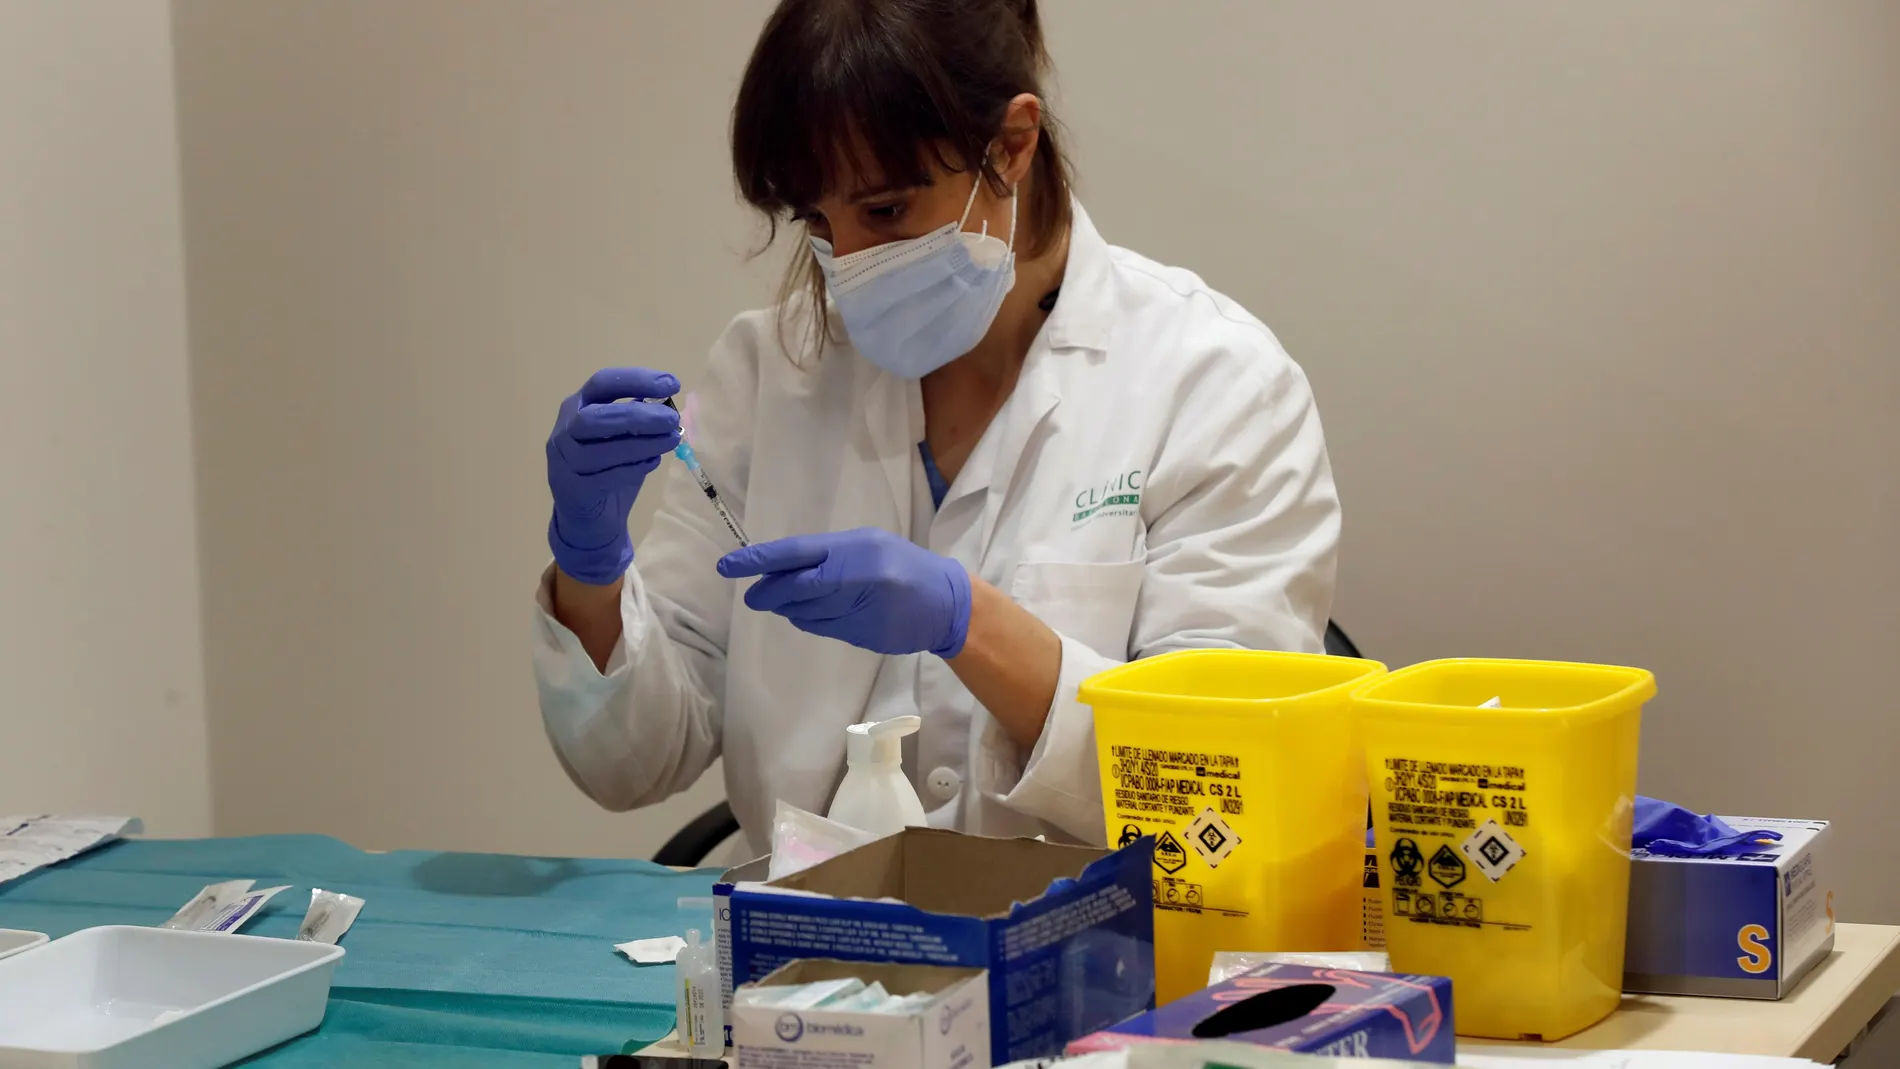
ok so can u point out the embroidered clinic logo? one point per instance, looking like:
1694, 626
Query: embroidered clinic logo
1119, 496
790, 1027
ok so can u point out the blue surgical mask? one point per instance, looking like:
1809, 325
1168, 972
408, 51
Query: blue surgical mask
913, 306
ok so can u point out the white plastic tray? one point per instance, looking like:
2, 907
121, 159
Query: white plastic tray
13, 941
123, 997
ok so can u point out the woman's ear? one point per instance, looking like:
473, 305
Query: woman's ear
1016, 146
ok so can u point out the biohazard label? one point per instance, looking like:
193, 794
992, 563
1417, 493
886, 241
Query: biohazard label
1407, 863
1212, 838
1446, 818
1492, 850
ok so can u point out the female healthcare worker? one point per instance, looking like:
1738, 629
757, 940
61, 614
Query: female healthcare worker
987, 455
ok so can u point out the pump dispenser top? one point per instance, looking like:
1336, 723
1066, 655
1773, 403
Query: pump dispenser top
876, 796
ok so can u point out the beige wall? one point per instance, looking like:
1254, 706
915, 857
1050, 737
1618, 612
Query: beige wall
1602, 306
413, 228
101, 686
1599, 301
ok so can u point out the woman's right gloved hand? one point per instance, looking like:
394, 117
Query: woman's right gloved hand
598, 455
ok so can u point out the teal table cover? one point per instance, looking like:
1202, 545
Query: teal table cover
470, 960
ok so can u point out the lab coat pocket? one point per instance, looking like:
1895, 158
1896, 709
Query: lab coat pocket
1091, 603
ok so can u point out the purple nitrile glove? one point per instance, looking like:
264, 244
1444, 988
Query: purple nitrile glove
867, 587
598, 455
1668, 830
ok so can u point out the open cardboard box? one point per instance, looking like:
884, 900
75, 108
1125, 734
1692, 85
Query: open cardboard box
1066, 933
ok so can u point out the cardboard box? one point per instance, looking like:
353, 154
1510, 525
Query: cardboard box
1371, 902
1742, 926
951, 1032
1340, 1013
754, 870
1066, 932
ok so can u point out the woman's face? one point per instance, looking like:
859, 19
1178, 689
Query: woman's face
871, 213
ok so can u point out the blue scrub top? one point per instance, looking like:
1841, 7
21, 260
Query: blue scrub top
939, 487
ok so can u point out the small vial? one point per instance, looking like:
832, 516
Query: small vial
702, 1023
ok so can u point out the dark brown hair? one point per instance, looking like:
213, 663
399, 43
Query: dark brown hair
902, 78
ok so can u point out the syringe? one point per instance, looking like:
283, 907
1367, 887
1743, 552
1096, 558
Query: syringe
685, 453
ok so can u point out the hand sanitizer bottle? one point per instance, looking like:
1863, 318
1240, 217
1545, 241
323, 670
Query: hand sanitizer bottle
875, 796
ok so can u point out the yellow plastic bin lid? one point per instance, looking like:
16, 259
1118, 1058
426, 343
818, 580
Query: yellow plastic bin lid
1215, 680
1465, 684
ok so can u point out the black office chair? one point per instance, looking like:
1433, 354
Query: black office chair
690, 845
1337, 643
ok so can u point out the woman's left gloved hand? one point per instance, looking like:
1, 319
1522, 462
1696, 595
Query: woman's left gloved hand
867, 587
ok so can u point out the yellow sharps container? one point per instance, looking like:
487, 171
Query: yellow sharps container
1246, 767
1502, 795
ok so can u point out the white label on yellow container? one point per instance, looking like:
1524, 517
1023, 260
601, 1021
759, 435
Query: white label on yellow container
1492, 850
1212, 838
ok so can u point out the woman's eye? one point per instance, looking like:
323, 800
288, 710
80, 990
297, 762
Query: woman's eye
886, 212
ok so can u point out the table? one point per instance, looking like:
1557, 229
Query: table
1818, 1021
496, 986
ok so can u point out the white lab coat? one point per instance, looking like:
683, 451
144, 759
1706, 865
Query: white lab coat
1157, 481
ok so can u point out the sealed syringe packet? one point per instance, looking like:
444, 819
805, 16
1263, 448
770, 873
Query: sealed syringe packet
238, 914
330, 915
206, 902
223, 907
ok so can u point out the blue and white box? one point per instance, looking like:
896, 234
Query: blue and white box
1303, 1009
1065, 932
1746, 925
950, 1030
752, 871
